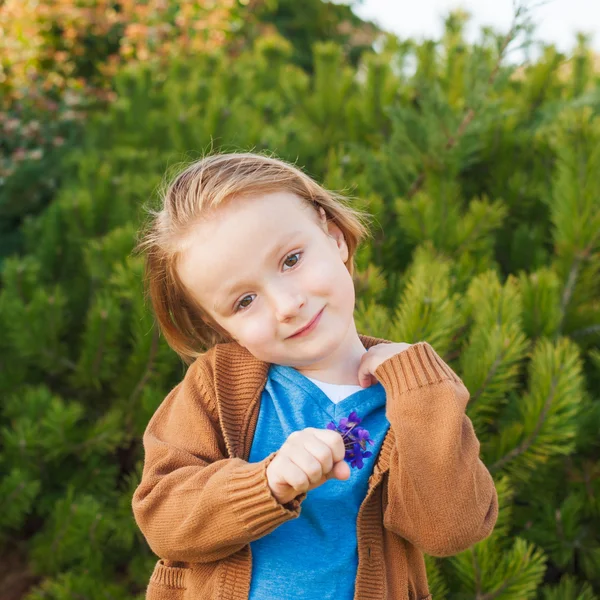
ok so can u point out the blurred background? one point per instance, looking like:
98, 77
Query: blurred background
555, 21
471, 133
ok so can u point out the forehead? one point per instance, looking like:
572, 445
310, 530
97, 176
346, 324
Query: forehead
252, 216
278, 204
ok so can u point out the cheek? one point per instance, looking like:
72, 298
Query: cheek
255, 331
346, 290
330, 276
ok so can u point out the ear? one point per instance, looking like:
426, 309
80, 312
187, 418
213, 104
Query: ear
334, 232
323, 217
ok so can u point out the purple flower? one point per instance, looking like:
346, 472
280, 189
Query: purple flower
355, 439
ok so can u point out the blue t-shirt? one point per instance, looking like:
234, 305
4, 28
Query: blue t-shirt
315, 556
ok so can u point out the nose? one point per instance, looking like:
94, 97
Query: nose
288, 303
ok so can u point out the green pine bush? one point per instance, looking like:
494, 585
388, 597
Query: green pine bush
484, 181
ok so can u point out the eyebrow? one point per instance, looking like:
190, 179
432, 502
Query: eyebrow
228, 291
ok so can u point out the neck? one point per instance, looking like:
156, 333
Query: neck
341, 367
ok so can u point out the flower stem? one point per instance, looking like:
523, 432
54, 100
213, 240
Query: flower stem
349, 430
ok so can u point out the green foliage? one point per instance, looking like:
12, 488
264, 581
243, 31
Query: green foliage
497, 347
314, 21
31, 149
483, 181
427, 309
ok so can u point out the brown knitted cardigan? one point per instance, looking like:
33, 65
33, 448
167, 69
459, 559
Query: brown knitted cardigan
200, 503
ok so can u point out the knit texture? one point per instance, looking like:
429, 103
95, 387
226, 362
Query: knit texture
200, 502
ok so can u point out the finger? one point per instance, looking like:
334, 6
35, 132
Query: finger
364, 372
334, 440
293, 475
365, 379
317, 484
341, 470
308, 463
321, 451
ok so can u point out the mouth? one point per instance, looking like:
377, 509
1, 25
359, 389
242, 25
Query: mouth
309, 326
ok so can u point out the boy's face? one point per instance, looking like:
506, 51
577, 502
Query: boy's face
286, 265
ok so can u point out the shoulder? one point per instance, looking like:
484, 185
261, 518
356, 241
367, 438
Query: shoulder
228, 373
197, 390
368, 340
225, 358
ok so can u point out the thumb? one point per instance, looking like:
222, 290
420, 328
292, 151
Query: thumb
341, 470
365, 377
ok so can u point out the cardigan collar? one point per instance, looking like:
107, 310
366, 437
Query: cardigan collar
239, 380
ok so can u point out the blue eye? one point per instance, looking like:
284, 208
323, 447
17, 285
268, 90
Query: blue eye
241, 307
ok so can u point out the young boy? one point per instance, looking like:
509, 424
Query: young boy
246, 492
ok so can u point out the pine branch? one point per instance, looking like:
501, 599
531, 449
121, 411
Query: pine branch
14, 494
457, 338
589, 472
61, 359
488, 377
416, 186
586, 331
570, 285
144, 378
63, 531
526, 443
100, 350
470, 112
77, 448
496, 593
148, 370
568, 292
471, 237
477, 572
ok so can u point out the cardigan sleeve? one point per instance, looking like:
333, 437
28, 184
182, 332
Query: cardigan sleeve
441, 497
194, 504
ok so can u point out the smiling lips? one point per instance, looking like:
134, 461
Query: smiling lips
308, 328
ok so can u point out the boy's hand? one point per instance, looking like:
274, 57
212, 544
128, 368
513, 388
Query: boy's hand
374, 357
307, 459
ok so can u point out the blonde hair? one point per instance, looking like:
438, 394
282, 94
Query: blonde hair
203, 185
